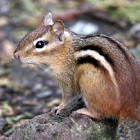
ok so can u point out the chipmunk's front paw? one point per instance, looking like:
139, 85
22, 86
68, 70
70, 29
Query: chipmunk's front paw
57, 110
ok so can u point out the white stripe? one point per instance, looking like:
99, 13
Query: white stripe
102, 60
47, 47
66, 33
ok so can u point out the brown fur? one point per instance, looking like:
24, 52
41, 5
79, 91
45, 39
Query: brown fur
94, 83
127, 74
30, 37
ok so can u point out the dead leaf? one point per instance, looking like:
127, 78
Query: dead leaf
7, 51
129, 43
32, 22
9, 83
54, 102
11, 111
45, 2
3, 21
6, 110
8, 48
2, 137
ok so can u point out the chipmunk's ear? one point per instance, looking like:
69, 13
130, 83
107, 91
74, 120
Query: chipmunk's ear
58, 27
47, 19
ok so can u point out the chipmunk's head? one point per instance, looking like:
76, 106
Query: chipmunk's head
42, 44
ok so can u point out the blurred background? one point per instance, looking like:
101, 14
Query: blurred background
26, 92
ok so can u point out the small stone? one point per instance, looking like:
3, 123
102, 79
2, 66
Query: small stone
135, 31
2, 35
44, 94
37, 87
2, 123
2, 93
84, 28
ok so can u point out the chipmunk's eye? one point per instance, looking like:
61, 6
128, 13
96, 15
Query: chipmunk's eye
40, 44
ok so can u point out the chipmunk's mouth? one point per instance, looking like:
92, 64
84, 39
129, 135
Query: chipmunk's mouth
29, 60
24, 60
16, 56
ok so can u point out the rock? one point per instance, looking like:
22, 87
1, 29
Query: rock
75, 127
65, 127
84, 28
131, 131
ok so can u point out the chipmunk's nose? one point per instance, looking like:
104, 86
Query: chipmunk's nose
16, 55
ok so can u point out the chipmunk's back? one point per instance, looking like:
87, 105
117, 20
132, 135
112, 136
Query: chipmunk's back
116, 64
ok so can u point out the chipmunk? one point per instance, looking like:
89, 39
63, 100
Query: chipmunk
96, 66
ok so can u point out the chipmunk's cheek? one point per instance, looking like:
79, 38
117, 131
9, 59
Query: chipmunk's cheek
26, 60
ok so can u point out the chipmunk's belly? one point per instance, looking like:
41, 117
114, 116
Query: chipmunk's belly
99, 93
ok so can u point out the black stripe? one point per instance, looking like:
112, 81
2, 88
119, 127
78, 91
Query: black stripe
89, 59
100, 51
119, 47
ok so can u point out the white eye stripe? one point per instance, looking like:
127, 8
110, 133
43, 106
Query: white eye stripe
39, 49
48, 48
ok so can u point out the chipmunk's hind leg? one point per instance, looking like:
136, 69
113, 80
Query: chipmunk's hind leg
87, 112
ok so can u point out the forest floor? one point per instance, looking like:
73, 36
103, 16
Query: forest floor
26, 92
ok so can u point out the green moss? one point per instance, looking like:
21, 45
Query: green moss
137, 53
120, 9
101, 131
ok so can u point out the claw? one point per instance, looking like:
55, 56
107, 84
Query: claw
57, 110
